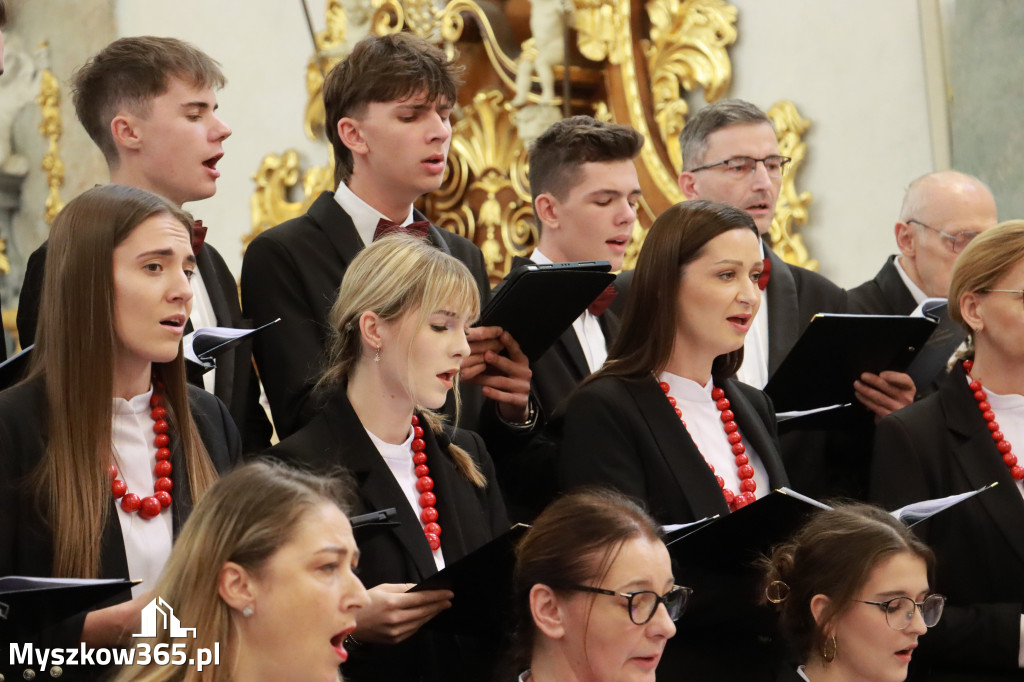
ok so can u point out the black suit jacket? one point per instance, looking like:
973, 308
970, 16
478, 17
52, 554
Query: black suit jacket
236, 383
886, 294
941, 446
622, 433
26, 545
293, 271
469, 517
3, 339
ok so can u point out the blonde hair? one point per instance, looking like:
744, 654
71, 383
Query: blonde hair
77, 370
245, 518
982, 263
393, 277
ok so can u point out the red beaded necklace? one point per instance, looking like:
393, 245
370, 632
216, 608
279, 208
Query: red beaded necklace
1002, 445
732, 432
425, 486
150, 507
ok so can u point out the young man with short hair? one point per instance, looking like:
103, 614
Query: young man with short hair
149, 104
388, 107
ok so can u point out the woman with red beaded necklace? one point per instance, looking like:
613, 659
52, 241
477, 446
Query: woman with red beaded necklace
663, 420
92, 487
968, 434
398, 339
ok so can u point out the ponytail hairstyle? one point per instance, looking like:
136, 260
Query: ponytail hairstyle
74, 358
393, 277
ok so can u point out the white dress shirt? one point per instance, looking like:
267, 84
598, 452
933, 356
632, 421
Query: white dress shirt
754, 370
203, 316
364, 216
915, 291
587, 328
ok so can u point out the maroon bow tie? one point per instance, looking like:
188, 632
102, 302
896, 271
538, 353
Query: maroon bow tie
417, 228
198, 236
766, 274
603, 300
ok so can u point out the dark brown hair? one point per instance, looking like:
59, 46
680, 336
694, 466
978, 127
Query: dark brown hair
384, 69
574, 541
833, 554
77, 369
556, 156
3, 13
127, 74
693, 140
677, 238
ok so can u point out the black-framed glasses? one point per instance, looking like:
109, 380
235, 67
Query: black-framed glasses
644, 603
899, 611
956, 242
742, 166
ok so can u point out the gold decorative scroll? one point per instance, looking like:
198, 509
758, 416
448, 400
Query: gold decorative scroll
791, 208
51, 128
277, 176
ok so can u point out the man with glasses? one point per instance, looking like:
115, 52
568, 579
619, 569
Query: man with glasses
941, 213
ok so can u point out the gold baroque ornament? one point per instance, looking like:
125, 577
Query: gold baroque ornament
278, 174
791, 208
51, 128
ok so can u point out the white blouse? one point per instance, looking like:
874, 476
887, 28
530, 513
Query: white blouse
147, 544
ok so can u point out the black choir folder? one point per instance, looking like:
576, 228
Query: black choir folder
482, 583
536, 303
29, 605
835, 350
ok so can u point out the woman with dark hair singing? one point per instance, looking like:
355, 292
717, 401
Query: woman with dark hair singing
104, 447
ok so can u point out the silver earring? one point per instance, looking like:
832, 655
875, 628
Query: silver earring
248, 611
376, 357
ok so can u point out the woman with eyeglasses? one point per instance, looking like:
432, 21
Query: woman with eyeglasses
852, 592
594, 593
966, 435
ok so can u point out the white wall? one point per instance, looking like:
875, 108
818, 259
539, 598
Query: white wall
854, 69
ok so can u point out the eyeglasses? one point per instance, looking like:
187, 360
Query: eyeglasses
742, 166
1019, 292
643, 604
900, 611
956, 242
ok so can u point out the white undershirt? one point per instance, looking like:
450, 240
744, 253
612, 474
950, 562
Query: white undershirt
147, 544
399, 461
704, 424
203, 316
754, 370
587, 328
915, 291
364, 216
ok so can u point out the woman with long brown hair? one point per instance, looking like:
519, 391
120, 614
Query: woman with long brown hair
104, 447
968, 434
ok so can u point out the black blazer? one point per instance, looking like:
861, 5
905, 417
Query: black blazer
293, 271
3, 339
623, 433
886, 294
469, 517
26, 545
941, 446
236, 383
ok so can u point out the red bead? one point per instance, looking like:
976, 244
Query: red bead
429, 514
679, 413
434, 542
979, 395
417, 432
993, 425
415, 420
428, 500
432, 529
997, 436
164, 497
734, 438
163, 483
710, 465
975, 385
1018, 473
739, 449
150, 507
130, 502
162, 440
741, 460
160, 427
422, 470
743, 499
731, 427
671, 401
745, 471
748, 485
968, 365
156, 400
419, 458
118, 488
988, 415
158, 413
722, 404
717, 393
162, 468
664, 387
985, 407
721, 481
727, 416
112, 472
1003, 446
729, 496
163, 453
424, 484
1010, 459
418, 445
